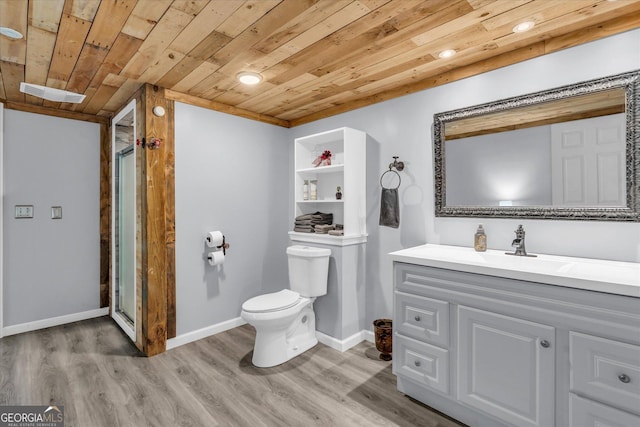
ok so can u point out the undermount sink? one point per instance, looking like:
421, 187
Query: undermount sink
599, 275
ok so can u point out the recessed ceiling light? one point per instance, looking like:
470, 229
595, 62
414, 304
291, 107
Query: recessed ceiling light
523, 26
11, 33
447, 53
249, 78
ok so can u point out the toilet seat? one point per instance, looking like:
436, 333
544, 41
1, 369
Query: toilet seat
275, 301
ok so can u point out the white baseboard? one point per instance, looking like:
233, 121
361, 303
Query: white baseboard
53, 321
340, 345
347, 343
204, 332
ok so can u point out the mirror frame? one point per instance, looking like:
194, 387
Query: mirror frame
630, 82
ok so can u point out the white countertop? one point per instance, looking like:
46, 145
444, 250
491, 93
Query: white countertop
614, 277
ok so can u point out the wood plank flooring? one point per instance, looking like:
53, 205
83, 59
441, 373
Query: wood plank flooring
99, 376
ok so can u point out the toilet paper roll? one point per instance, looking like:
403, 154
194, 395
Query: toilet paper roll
214, 239
215, 258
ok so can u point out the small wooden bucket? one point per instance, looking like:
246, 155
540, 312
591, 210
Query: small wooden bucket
383, 331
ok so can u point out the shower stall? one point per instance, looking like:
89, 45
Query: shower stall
124, 265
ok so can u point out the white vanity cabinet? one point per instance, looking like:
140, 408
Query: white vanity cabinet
495, 351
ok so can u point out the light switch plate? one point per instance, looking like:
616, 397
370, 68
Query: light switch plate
56, 212
24, 211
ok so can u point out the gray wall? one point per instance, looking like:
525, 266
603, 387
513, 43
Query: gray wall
51, 267
232, 174
403, 127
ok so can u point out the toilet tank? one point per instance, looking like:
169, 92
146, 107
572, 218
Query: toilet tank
308, 270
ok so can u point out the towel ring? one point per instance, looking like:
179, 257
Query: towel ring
397, 174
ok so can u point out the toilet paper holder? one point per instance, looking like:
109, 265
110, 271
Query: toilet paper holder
210, 241
216, 240
224, 246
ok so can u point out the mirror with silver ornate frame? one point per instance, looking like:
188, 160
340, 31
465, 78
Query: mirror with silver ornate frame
566, 153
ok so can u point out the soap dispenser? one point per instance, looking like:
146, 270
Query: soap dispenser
480, 240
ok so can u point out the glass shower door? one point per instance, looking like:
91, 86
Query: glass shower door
123, 286
126, 234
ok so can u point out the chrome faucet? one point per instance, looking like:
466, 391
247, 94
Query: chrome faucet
518, 243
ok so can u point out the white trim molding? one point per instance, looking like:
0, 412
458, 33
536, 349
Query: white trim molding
53, 321
204, 332
328, 239
340, 345
347, 343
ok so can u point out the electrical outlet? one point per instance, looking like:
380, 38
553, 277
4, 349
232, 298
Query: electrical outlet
24, 211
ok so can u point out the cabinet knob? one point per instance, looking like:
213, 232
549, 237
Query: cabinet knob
545, 344
624, 378
417, 363
417, 318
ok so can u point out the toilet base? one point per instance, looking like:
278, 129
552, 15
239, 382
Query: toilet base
274, 347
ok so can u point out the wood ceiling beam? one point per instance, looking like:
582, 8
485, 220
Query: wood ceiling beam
64, 114
224, 108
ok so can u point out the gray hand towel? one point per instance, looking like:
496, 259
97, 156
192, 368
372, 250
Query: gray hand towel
389, 208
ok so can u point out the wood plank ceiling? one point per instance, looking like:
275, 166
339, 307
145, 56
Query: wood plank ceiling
318, 57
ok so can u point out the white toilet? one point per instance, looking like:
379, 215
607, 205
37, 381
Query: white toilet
285, 321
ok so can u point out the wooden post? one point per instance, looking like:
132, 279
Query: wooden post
155, 222
154, 288
170, 217
105, 214
141, 218
158, 287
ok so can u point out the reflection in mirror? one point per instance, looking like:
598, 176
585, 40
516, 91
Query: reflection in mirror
576, 163
570, 152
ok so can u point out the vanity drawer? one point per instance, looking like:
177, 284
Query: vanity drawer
423, 363
422, 318
585, 413
605, 370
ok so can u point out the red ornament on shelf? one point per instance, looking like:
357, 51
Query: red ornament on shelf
323, 160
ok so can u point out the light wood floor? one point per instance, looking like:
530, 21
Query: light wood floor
92, 369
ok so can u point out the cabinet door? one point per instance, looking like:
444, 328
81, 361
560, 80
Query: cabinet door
585, 413
506, 367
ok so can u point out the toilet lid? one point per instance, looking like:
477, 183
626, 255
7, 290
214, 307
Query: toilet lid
272, 302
